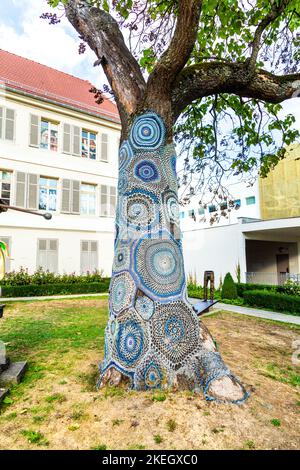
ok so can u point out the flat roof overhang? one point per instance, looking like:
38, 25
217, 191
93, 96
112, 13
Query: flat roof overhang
281, 230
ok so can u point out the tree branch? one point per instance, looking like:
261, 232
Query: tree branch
277, 9
206, 79
176, 56
100, 30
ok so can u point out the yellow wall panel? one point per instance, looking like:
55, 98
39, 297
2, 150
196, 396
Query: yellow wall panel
280, 191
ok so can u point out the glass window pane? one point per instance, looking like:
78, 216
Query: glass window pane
52, 200
43, 199
44, 135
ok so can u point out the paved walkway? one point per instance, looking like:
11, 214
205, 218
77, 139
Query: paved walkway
49, 297
254, 312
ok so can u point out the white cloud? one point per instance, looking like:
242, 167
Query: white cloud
52, 45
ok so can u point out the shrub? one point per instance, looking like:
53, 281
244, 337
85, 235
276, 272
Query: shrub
31, 290
243, 287
22, 278
273, 301
229, 290
290, 287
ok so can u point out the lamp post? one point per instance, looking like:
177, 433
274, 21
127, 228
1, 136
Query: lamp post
11, 372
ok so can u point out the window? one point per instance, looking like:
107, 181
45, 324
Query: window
5, 186
107, 201
88, 144
48, 135
250, 200
88, 256
212, 208
7, 124
237, 203
27, 190
47, 255
182, 214
191, 213
87, 199
47, 194
7, 241
43, 133
201, 211
223, 205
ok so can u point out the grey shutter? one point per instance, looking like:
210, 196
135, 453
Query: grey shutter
93, 256
34, 130
32, 201
66, 196
1, 121
9, 124
104, 147
67, 139
75, 197
88, 256
84, 256
21, 189
103, 200
47, 255
112, 201
76, 140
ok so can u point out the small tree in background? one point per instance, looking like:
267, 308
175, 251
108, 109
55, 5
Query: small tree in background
229, 290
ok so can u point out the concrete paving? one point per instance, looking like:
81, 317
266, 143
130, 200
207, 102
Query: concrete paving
253, 312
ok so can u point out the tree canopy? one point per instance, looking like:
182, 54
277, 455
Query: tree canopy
216, 70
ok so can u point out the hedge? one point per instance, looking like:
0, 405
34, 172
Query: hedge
273, 301
32, 290
229, 290
243, 287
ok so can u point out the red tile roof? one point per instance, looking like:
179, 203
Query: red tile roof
39, 80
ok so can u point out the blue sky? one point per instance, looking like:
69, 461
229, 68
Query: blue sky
24, 33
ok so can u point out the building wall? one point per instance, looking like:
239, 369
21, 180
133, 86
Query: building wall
218, 248
24, 230
280, 190
240, 192
261, 258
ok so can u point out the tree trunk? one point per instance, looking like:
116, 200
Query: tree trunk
153, 336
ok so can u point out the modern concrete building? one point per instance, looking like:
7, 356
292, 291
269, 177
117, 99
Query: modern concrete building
262, 238
58, 154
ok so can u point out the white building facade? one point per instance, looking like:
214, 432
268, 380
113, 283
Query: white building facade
57, 155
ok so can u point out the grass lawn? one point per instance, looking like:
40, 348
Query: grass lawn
56, 406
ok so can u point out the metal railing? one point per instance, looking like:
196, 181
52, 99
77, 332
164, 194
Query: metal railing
271, 278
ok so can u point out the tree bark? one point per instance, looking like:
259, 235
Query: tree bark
153, 336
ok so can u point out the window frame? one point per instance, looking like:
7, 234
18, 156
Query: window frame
94, 193
2, 181
48, 188
253, 198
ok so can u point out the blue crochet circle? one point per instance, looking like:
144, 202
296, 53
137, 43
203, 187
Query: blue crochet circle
152, 376
147, 132
125, 155
146, 171
130, 342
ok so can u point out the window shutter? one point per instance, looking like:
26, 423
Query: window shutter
66, 196
103, 200
67, 138
32, 192
112, 201
1, 121
76, 140
10, 124
75, 197
47, 255
20, 189
34, 130
88, 256
104, 147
